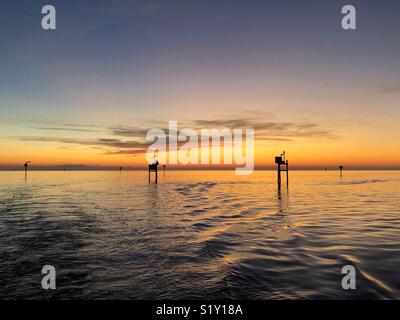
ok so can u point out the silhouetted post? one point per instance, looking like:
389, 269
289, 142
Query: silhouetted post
154, 168
26, 168
279, 175
287, 173
164, 168
281, 161
341, 170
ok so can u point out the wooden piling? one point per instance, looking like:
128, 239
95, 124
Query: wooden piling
279, 175
280, 161
287, 173
26, 168
153, 168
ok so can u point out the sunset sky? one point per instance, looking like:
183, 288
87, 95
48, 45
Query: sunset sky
86, 93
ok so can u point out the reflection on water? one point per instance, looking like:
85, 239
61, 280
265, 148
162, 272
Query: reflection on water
199, 235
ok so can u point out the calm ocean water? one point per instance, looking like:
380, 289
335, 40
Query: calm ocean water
200, 234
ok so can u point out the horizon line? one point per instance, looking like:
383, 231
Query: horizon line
177, 168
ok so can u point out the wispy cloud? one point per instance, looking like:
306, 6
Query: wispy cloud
64, 129
395, 89
123, 131
272, 130
130, 140
135, 152
106, 143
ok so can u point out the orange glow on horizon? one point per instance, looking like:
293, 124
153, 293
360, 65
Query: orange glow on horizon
299, 155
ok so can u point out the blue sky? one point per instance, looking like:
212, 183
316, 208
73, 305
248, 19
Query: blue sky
121, 63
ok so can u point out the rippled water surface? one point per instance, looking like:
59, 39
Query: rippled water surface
200, 234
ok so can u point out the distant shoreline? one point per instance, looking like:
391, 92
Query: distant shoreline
191, 169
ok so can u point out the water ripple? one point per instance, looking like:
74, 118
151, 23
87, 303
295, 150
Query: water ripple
199, 235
